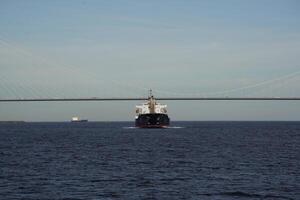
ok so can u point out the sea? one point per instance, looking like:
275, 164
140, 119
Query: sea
115, 160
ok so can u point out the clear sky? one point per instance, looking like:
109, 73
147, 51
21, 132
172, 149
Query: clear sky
87, 48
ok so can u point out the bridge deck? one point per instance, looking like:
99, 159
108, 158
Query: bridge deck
162, 98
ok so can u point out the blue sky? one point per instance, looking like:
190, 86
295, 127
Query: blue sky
118, 48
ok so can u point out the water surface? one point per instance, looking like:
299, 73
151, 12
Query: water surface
192, 160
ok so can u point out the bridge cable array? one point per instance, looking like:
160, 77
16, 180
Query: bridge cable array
42, 87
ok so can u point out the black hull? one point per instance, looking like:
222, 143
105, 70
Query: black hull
154, 120
78, 121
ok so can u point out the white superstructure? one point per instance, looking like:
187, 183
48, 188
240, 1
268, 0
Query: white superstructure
151, 107
144, 109
75, 119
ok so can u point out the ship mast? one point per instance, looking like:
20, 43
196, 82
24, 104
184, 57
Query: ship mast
151, 102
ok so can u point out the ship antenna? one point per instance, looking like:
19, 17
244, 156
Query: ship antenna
150, 93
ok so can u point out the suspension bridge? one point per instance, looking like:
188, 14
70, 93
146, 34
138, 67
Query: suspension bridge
163, 99
44, 89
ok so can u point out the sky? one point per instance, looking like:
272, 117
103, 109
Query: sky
119, 48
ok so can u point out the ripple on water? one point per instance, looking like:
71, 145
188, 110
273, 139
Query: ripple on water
189, 160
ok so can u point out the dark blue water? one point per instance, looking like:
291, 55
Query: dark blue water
202, 160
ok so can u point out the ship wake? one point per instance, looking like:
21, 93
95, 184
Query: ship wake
168, 127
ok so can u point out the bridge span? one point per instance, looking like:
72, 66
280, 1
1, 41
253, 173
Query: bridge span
159, 98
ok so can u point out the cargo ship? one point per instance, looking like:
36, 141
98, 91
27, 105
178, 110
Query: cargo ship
151, 114
76, 119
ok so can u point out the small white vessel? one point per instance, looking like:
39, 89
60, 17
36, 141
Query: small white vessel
77, 119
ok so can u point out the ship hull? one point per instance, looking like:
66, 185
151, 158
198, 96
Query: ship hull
78, 121
152, 120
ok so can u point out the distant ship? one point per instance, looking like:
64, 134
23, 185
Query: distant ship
76, 119
151, 114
